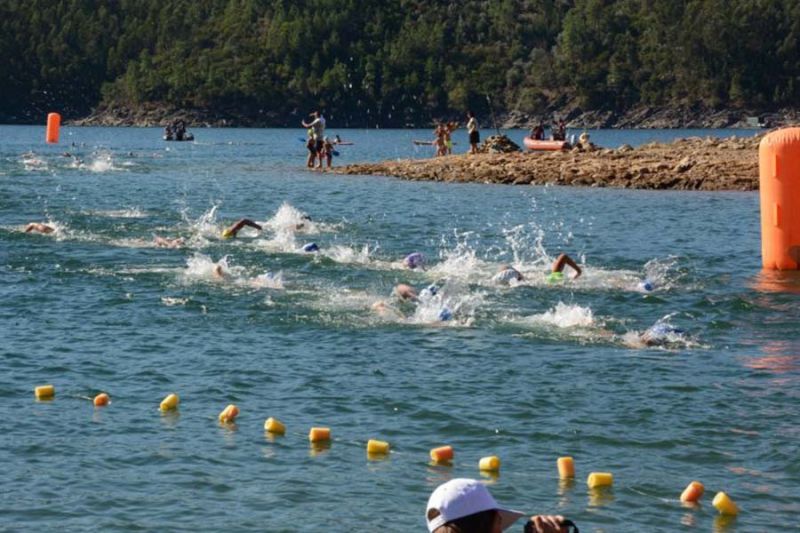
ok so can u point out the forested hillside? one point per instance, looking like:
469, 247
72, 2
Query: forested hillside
393, 62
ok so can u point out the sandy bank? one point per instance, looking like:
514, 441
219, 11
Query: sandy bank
688, 164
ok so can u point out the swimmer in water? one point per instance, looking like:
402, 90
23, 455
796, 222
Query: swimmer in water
405, 292
165, 242
38, 227
661, 334
302, 225
414, 260
384, 310
506, 274
230, 232
219, 272
557, 270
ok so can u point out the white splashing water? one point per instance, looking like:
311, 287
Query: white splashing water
102, 162
170, 301
33, 163
130, 212
201, 267
452, 300
268, 280
347, 254
565, 316
290, 219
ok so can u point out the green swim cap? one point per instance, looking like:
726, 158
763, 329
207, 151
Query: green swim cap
555, 277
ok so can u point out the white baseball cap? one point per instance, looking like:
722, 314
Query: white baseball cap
462, 497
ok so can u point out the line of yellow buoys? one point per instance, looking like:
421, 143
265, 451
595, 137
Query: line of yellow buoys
442, 455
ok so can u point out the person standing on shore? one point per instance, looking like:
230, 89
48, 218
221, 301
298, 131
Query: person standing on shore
318, 127
474, 134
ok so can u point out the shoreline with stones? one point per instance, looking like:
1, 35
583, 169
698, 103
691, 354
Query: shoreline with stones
699, 164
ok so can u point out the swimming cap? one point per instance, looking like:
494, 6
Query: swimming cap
646, 285
445, 314
662, 329
506, 275
414, 260
311, 247
555, 277
227, 233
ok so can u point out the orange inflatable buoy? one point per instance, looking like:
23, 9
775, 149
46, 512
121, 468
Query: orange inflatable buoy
779, 180
53, 125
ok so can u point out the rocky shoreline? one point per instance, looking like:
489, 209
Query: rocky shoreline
706, 164
642, 117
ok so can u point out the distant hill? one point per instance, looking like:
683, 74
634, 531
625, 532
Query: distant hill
393, 62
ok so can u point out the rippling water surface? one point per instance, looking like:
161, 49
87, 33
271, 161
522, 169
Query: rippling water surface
528, 372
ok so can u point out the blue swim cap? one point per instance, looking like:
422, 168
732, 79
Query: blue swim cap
414, 260
445, 314
661, 329
311, 247
646, 285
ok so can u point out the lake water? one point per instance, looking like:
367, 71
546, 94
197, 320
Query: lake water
528, 372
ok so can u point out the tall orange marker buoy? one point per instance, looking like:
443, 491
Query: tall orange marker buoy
53, 124
779, 171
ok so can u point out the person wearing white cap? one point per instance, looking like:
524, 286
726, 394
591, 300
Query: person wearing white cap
466, 506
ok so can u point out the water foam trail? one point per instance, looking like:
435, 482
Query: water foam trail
565, 321
128, 212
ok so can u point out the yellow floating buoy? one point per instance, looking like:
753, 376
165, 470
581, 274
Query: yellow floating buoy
377, 447
170, 402
600, 479
53, 125
319, 435
693, 492
229, 414
489, 464
725, 505
101, 400
442, 454
44, 392
566, 467
273, 425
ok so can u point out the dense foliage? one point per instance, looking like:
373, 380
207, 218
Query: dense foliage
394, 62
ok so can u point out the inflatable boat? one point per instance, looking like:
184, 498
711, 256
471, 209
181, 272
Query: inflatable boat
550, 146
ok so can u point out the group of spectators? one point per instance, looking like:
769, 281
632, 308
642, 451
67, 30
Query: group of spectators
443, 135
320, 148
